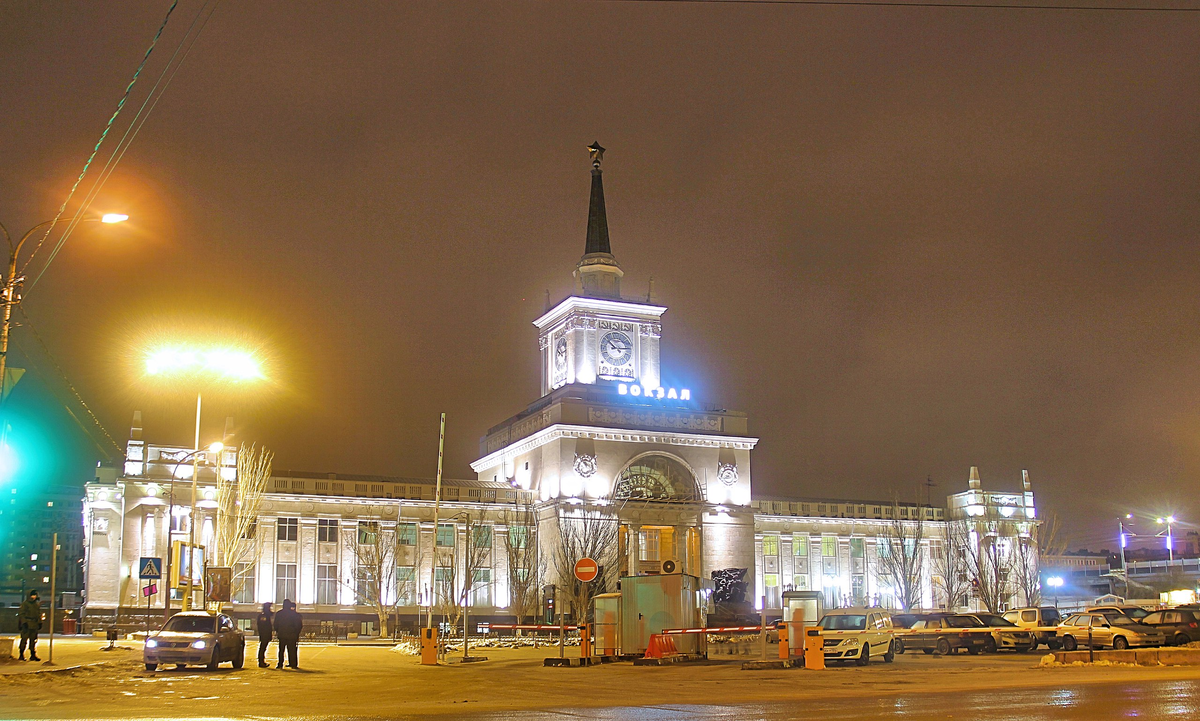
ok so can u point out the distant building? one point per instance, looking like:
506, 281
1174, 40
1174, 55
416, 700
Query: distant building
608, 439
28, 521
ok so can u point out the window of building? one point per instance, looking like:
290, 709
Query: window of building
443, 580
327, 583
251, 530
481, 587
770, 545
327, 530
406, 534
770, 580
857, 548
445, 535
285, 582
858, 589
800, 582
799, 545
288, 529
368, 532
366, 587
243, 583
883, 548
518, 536
829, 547
406, 585
648, 543
481, 536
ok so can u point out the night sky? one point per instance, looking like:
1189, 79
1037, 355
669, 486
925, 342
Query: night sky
904, 241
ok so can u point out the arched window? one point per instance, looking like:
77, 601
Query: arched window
656, 478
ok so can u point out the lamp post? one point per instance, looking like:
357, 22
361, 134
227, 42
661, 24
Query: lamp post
11, 288
1169, 521
1123, 541
1056, 583
212, 448
210, 363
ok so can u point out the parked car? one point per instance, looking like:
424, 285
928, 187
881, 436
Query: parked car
945, 633
905, 620
1178, 625
1041, 617
195, 638
1005, 634
1137, 613
1110, 628
857, 634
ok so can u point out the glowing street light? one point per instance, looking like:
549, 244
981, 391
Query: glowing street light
1169, 521
1056, 583
10, 292
218, 363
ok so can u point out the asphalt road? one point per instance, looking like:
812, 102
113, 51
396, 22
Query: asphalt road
1152, 700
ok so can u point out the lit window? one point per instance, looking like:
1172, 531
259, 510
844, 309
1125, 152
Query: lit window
829, 547
800, 545
770, 545
45, 579
33, 557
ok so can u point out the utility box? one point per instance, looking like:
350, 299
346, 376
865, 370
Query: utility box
648, 604
606, 624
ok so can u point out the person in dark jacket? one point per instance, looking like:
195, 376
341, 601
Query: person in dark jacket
29, 621
264, 623
287, 627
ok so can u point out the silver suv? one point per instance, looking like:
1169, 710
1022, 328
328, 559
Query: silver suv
1039, 617
196, 638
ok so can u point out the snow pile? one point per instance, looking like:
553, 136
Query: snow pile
1049, 662
408, 647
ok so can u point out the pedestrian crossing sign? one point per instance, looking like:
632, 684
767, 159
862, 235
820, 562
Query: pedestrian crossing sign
150, 568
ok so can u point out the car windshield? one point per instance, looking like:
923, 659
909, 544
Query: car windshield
191, 624
991, 620
1050, 616
1118, 619
1136, 613
844, 622
963, 622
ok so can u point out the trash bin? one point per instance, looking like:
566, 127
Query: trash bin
68, 627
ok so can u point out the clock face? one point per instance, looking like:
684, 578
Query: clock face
616, 348
560, 353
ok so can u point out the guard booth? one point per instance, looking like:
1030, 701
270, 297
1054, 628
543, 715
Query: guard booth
606, 624
801, 608
651, 603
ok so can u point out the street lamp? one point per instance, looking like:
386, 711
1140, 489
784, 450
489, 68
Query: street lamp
217, 363
215, 448
10, 292
1169, 521
1056, 583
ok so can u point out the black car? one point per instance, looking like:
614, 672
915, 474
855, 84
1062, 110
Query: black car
945, 633
1179, 626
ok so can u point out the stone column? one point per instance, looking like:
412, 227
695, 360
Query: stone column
306, 562
635, 545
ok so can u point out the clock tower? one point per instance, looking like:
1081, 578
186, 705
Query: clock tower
596, 334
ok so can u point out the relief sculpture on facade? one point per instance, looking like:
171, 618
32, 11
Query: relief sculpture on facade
655, 419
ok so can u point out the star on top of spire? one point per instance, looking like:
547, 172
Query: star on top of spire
597, 152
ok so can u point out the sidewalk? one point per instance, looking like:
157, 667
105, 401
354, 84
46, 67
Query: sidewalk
68, 651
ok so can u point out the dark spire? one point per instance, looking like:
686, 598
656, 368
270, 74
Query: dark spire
597, 229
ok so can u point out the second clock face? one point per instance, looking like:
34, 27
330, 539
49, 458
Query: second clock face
616, 348
560, 353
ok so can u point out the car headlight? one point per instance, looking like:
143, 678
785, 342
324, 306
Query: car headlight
852, 641
151, 643
199, 644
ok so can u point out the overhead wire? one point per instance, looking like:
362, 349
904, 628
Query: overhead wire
103, 135
139, 120
70, 387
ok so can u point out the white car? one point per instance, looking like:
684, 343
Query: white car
196, 638
857, 634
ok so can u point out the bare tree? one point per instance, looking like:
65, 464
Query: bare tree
1050, 539
950, 564
586, 532
525, 565
376, 551
460, 565
902, 557
990, 566
238, 501
1026, 568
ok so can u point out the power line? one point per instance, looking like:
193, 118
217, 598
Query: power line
131, 132
925, 4
112, 119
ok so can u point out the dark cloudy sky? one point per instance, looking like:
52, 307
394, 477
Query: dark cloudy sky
905, 241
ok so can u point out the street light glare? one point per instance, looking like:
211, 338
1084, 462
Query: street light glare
222, 362
216, 447
1170, 519
114, 218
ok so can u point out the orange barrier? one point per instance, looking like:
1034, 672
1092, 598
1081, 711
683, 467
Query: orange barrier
661, 646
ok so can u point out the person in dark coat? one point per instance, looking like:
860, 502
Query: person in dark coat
287, 628
29, 621
264, 623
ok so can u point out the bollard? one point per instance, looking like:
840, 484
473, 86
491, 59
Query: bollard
429, 647
784, 652
814, 649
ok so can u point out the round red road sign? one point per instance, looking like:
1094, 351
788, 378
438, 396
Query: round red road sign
586, 570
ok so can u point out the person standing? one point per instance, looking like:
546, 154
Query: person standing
29, 621
264, 623
287, 627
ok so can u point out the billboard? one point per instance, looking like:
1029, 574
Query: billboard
186, 563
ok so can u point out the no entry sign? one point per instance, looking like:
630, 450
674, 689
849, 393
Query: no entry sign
586, 570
